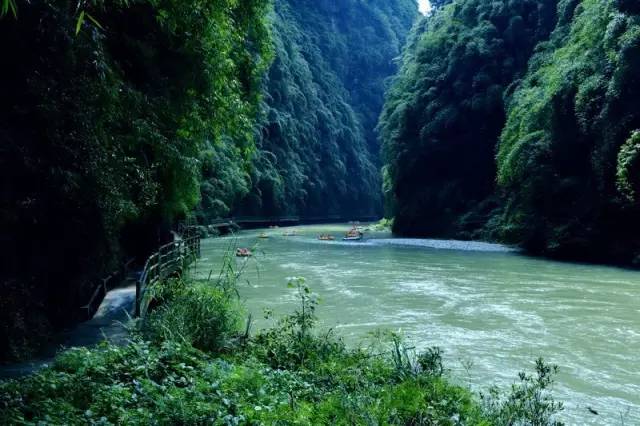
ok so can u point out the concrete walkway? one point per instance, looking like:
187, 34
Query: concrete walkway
109, 323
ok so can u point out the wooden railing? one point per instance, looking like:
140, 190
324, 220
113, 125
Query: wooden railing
103, 287
171, 259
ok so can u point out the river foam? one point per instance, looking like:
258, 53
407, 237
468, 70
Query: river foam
443, 244
486, 305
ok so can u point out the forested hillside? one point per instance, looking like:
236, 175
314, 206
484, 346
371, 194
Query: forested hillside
549, 86
105, 114
568, 157
318, 149
445, 111
118, 119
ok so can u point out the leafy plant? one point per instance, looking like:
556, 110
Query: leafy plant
430, 361
292, 343
303, 320
8, 6
529, 401
205, 315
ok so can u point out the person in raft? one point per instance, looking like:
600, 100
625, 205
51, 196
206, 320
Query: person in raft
243, 252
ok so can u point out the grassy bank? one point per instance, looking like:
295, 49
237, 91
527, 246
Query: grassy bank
194, 361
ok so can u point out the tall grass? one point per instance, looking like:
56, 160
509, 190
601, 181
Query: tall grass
205, 315
199, 315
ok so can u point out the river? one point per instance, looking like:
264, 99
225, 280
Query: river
491, 309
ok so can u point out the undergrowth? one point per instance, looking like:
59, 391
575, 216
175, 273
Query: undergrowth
192, 362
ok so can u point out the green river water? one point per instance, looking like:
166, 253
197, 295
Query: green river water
492, 310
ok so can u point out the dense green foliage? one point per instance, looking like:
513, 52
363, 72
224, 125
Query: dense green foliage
118, 118
558, 107
103, 125
290, 374
628, 170
317, 143
570, 141
200, 316
445, 111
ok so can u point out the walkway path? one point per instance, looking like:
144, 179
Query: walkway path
119, 305
109, 323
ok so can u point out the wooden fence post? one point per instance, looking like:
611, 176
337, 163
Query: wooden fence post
169, 259
138, 285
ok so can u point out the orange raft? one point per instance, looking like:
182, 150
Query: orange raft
326, 237
243, 252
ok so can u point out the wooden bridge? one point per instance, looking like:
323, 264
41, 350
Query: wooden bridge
253, 221
223, 224
260, 221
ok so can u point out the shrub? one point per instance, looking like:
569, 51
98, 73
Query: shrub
201, 316
529, 401
293, 343
24, 329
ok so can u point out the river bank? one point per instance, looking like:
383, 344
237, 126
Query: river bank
493, 310
191, 363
